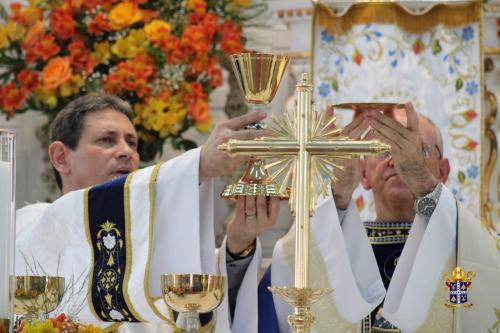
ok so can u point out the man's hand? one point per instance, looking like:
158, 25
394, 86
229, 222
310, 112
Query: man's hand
406, 150
254, 215
215, 163
348, 178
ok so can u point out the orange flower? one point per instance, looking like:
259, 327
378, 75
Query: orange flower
34, 34
214, 73
80, 57
198, 6
12, 97
171, 46
156, 30
209, 23
195, 39
230, 38
45, 48
124, 14
62, 24
99, 24
27, 16
56, 72
29, 79
199, 111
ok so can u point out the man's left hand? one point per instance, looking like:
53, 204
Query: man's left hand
254, 215
406, 149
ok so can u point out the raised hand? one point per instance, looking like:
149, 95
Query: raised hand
406, 149
215, 163
254, 215
348, 178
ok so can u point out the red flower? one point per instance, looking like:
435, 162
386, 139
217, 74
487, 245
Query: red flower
99, 25
62, 23
360, 203
171, 45
29, 79
469, 115
230, 38
195, 39
45, 48
80, 57
418, 46
214, 73
357, 57
470, 145
199, 111
12, 97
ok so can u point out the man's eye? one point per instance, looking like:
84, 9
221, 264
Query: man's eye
133, 144
106, 140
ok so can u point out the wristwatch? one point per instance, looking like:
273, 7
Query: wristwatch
425, 205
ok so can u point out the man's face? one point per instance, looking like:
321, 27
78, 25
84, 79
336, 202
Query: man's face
107, 149
380, 174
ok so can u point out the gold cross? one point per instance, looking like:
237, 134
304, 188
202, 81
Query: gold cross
305, 147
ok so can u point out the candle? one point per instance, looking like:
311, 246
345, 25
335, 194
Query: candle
7, 232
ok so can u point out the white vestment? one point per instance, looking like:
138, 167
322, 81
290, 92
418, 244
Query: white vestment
341, 258
181, 222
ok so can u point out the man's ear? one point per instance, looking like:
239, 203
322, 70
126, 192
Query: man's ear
364, 180
58, 154
444, 170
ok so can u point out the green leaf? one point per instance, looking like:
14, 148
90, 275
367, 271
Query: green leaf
3, 13
497, 313
459, 84
461, 177
436, 47
335, 85
185, 144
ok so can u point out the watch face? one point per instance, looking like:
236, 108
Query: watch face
426, 206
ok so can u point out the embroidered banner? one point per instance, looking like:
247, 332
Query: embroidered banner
108, 227
383, 53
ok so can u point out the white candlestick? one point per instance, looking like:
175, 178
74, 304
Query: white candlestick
7, 233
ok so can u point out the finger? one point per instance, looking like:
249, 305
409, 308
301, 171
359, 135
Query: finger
358, 125
387, 135
412, 116
391, 124
250, 205
240, 208
246, 119
248, 134
262, 208
329, 111
273, 209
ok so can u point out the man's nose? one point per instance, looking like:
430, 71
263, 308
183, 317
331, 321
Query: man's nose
124, 150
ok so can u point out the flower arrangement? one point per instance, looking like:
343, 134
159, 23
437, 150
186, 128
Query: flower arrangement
163, 57
60, 324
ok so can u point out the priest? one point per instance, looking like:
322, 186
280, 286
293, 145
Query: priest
116, 229
393, 274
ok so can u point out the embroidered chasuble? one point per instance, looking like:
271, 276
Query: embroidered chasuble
389, 275
113, 241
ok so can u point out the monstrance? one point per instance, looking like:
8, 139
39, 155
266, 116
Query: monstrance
306, 147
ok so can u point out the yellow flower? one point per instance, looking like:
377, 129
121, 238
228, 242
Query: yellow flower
4, 38
242, 3
156, 30
72, 86
15, 31
40, 327
124, 14
205, 127
132, 45
101, 52
198, 6
47, 96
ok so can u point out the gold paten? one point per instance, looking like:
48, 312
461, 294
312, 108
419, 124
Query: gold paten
259, 76
307, 147
192, 294
37, 295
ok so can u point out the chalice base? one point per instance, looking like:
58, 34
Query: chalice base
300, 299
255, 181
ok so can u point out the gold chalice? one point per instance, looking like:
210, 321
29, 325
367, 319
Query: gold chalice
192, 294
37, 296
258, 76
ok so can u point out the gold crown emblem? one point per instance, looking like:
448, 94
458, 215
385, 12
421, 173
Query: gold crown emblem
458, 274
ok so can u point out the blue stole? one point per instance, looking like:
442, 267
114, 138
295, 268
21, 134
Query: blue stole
268, 321
108, 230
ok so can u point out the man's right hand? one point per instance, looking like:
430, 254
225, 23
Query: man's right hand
348, 178
215, 163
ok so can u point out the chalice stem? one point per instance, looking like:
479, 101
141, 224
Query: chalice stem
192, 322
